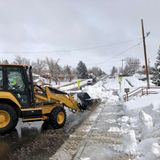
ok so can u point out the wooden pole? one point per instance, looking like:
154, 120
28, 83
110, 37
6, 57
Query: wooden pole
145, 55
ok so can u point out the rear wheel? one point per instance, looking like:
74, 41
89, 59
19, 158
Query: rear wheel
58, 117
8, 118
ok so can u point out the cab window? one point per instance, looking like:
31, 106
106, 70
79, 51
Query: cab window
15, 81
17, 85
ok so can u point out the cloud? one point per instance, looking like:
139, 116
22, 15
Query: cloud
94, 31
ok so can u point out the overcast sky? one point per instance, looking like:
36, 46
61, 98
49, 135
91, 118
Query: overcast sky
94, 31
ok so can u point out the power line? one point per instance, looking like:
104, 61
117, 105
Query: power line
122, 52
102, 46
73, 49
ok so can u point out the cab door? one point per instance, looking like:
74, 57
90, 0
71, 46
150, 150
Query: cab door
17, 84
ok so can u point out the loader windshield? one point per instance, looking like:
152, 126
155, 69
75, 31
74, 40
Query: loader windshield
16, 84
15, 81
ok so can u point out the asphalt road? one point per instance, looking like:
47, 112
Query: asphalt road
36, 141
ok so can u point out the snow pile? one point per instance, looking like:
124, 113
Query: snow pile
149, 150
135, 81
99, 91
37, 79
114, 129
85, 158
129, 142
112, 84
144, 119
147, 123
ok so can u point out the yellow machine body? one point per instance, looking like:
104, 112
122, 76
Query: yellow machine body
7, 97
64, 99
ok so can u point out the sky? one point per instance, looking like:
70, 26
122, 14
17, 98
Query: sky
99, 32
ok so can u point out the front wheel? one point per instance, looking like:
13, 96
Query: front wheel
57, 117
8, 118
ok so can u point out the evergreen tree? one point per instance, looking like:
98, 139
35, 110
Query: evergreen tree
113, 71
68, 73
156, 71
82, 70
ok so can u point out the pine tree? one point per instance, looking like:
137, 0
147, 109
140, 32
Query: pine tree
82, 70
113, 71
156, 71
68, 73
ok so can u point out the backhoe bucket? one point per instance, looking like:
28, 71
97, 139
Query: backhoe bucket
84, 100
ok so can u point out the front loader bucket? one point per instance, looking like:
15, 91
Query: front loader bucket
85, 100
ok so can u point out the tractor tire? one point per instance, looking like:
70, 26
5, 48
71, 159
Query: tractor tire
58, 117
8, 118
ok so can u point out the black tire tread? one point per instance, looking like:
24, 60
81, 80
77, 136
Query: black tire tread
53, 117
13, 116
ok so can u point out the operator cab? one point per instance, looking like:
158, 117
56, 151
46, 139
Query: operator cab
17, 79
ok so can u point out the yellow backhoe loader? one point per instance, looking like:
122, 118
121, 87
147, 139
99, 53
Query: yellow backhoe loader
19, 98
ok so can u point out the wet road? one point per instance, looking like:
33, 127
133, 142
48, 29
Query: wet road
30, 141
35, 141
98, 138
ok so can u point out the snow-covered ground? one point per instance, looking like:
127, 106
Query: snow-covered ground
127, 82
141, 123
132, 127
143, 115
99, 91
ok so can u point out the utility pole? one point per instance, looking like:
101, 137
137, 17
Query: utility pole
122, 63
145, 54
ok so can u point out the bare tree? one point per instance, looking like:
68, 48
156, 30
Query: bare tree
21, 60
4, 61
114, 71
97, 71
39, 67
68, 73
54, 69
132, 66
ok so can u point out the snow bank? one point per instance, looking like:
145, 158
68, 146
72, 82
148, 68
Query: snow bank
144, 119
101, 92
147, 123
129, 142
135, 81
149, 149
137, 104
131, 82
140, 125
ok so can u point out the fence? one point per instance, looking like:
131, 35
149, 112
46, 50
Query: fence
141, 91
